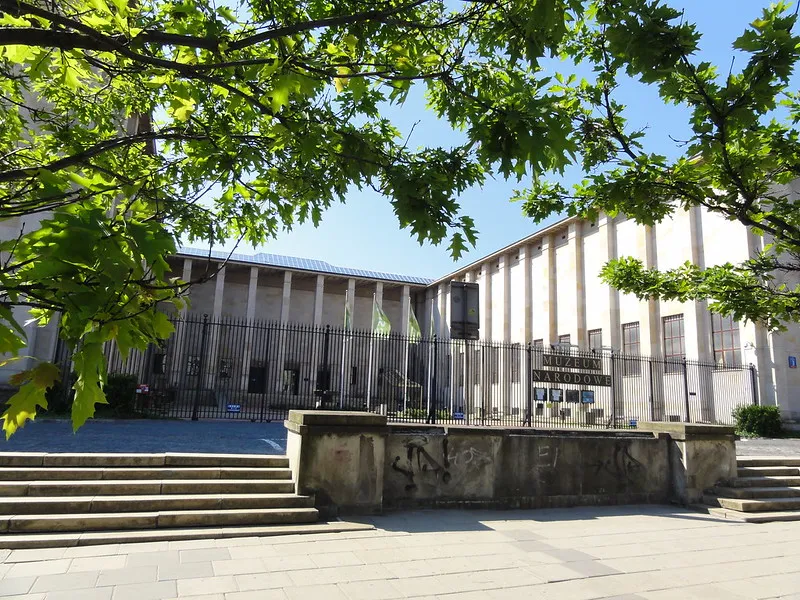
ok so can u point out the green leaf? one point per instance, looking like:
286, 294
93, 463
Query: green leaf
23, 405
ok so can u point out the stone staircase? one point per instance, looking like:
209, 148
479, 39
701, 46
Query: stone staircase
83, 499
766, 489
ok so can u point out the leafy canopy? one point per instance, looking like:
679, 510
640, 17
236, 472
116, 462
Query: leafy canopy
125, 126
740, 156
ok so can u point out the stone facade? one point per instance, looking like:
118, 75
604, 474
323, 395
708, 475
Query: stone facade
544, 288
547, 288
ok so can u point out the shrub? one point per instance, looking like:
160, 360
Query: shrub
59, 395
422, 413
120, 391
758, 421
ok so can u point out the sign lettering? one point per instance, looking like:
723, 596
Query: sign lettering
571, 378
561, 361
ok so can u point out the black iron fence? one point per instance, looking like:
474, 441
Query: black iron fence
234, 369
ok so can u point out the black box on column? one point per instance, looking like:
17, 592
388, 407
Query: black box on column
465, 311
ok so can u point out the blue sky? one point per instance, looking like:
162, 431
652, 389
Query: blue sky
364, 233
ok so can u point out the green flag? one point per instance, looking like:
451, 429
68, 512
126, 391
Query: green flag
380, 322
348, 316
414, 332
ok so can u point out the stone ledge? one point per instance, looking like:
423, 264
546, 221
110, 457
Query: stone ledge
334, 418
690, 431
501, 431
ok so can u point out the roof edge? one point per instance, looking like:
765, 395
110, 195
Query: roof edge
504, 250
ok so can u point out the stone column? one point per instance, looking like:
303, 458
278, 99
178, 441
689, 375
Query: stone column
317, 355
179, 352
280, 346
319, 294
252, 291
405, 305
650, 326
212, 348
504, 358
613, 328
525, 261
549, 298
697, 332
443, 294
578, 332
486, 297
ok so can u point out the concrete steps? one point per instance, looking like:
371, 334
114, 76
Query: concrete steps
92, 538
766, 489
44, 497
101, 473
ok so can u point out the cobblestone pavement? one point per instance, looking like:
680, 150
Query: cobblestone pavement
150, 435
765, 447
630, 553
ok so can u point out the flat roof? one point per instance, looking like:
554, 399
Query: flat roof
300, 264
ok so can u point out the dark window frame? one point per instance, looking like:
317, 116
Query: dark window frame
673, 333
727, 349
596, 333
631, 346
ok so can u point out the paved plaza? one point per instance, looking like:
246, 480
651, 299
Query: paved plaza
633, 552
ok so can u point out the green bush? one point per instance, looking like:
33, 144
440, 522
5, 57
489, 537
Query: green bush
121, 393
758, 421
422, 413
59, 395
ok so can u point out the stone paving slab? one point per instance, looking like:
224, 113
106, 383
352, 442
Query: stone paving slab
625, 553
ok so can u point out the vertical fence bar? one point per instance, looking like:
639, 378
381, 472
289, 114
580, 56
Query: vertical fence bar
754, 384
529, 378
686, 391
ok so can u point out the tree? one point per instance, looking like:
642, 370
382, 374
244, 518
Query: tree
742, 152
128, 125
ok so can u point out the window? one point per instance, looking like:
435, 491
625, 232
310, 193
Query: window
494, 366
727, 350
516, 359
323, 378
673, 342
564, 342
225, 366
595, 339
476, 367
193, 365
631, 347
538, 343
564, 339
159, 363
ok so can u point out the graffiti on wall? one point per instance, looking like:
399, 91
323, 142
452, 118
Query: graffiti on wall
427, 459
620, 465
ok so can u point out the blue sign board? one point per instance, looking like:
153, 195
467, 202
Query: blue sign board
234, 408
792, 362
458, 416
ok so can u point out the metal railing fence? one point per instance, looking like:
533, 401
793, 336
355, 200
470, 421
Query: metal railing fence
258, 371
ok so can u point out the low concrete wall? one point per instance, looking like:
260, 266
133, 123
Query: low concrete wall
505, 468
356, 463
